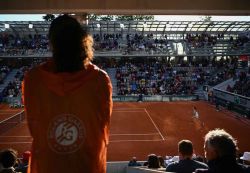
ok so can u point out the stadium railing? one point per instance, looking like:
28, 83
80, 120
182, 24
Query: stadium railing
233, 101
156, 98
122, 167
144, 170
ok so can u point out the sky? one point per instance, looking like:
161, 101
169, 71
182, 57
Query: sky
38, 17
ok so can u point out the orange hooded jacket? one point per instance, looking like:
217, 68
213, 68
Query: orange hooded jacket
68, 117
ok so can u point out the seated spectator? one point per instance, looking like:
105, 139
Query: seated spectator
22, 167
199, 158
162, 162
220, 152
134, 162
8, 159
170, 159
185, 164
153, 162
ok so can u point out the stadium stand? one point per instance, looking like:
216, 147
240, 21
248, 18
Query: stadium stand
4, 70
144, 57
155, 78
185, 38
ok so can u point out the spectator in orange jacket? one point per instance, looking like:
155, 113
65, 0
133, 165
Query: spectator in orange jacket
68, 103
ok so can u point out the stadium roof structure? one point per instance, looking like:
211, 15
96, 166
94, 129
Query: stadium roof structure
129, 7
170, 26
22, 27
158, 27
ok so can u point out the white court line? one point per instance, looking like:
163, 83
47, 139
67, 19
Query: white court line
155, 140
10, 111
146, 140
142, 134
15, 142
15, 136
128, 109
134, 134
154, 124
15, 122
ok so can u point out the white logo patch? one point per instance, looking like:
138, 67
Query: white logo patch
66, 134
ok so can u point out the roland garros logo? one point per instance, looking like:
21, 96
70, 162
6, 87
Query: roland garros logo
66, 134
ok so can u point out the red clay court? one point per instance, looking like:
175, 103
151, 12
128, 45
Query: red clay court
138, 129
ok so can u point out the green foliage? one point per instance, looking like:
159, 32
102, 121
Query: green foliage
93, 17
120, 17
49, 17
107, 17
134, 17
206, 18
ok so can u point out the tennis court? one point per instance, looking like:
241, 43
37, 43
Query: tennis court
138, 129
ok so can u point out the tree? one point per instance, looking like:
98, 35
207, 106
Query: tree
134, 17
120, 17
144, 17
93, 17
107, 17
49, 17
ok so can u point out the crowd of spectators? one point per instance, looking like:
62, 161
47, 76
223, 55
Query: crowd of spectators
13, 45
221, 156
148, 43
227, 73
201, 40
241, 86
207, 41
155, 78
132, 42
4, 70
239, 42
13, 89
107, 42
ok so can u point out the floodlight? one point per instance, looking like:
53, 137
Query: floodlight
98, 25
122, 25
6, 26
30, 26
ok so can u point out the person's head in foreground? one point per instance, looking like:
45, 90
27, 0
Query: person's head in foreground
219, 144
8, 158
185, 148
220, 151
153, 161
185, 164
70, 43
162, 162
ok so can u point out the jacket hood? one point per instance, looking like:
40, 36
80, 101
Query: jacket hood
64, 83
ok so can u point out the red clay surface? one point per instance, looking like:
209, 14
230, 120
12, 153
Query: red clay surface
6, 112
139, 129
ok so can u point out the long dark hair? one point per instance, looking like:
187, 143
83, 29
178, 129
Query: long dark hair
69, 45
